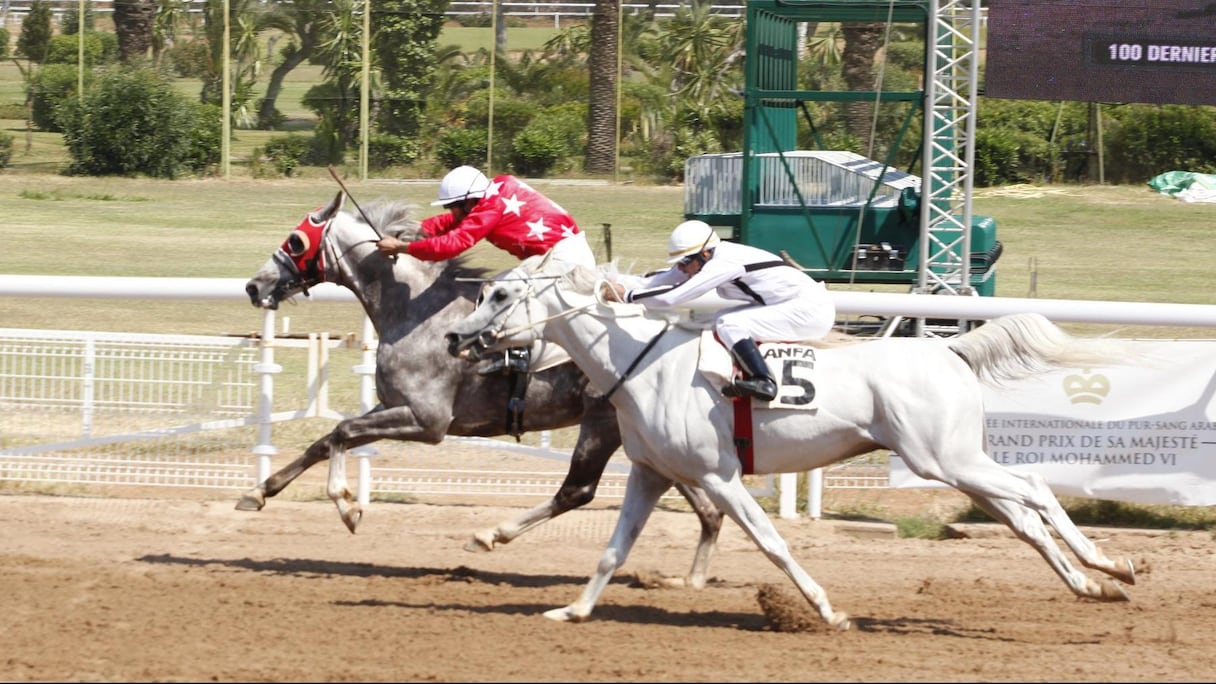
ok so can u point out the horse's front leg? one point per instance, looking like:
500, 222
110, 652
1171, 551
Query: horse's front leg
338, 489
732, 497
255, 499
642, 492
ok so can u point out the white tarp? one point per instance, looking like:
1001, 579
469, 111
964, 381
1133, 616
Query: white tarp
1135, 434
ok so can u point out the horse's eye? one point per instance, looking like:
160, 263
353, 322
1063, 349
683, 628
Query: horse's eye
297, 244
500, 295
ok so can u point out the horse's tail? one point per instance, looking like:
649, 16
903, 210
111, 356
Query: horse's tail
1020, 345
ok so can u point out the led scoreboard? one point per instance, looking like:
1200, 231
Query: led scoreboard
1158, 51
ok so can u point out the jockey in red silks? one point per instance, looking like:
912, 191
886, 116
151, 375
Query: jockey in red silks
506, 212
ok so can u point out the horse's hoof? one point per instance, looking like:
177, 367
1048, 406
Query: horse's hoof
481, 542
251, 501
1128, 576
1109, 591
352, 518
563, 615
695, 581
841, 621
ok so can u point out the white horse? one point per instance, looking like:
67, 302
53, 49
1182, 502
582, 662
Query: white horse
920, 398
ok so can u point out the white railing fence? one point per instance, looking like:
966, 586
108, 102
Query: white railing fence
90, 408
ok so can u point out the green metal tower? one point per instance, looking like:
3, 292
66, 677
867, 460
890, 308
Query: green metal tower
841, 216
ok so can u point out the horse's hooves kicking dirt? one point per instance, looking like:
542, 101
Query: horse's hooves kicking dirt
786, 613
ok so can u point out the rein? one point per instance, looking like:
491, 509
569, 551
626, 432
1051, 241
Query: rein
633, 366
531, 294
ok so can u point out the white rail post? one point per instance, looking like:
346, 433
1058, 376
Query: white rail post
814, 493
88, 388
310, 377
323, 374
367, 393
266, 370
788, 486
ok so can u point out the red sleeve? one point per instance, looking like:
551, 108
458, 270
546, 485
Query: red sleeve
437, 224
446, 244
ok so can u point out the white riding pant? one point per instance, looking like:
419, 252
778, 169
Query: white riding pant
573, 251
809, 316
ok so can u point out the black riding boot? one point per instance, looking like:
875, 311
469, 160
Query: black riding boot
513, 360
756, 382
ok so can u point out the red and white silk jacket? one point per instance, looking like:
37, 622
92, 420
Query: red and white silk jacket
512, 216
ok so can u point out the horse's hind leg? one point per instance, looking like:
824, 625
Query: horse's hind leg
711, 524
642, 492
732, 497
1028, 526
255, 498
1023, 502
1088, 553
599, 437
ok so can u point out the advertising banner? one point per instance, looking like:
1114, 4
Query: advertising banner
1142, 434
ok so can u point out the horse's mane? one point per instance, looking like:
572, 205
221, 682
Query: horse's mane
396, 217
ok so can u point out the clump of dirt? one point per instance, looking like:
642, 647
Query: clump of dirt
784, 612
653, 579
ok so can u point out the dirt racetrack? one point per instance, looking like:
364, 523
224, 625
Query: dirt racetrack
189, 589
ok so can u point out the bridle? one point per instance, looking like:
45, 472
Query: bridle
492, 335
307, 266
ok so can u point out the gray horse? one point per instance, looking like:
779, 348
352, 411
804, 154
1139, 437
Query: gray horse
424, 393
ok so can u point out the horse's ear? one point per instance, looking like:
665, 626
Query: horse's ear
327, 212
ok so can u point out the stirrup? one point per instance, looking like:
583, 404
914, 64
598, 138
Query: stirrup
513, 360
496, 366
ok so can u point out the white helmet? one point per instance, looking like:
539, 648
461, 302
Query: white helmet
690, 237
460, 184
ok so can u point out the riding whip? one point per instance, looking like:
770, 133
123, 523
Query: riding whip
353, 201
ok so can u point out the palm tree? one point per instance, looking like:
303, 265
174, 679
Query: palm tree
134, 21
602, 69
861, 44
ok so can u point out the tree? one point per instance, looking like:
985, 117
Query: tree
302, 21
249, 18
134, 21
602, 68
35, 37
403, 41
861, 44
336, 101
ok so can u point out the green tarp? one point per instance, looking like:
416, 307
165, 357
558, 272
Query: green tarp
1187, 186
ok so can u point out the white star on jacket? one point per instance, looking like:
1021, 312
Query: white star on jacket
512, 205
537, 228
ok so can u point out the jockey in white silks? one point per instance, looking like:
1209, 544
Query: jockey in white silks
783, 303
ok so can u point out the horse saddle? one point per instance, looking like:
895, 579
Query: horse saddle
791, 364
